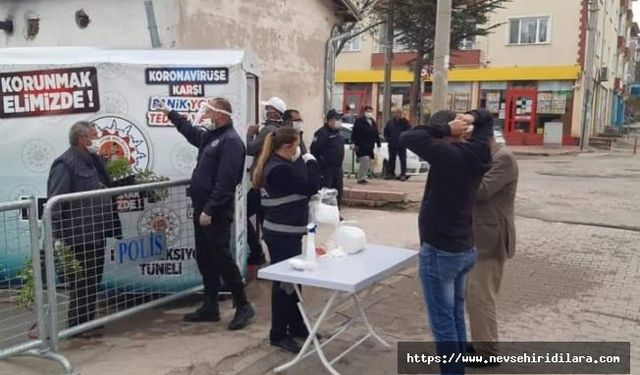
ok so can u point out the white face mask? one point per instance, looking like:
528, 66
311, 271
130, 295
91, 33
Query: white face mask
94, 147
297, 125
369, 114
297, 154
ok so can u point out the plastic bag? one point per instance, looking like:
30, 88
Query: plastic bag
347, 238
375, 164
323, 207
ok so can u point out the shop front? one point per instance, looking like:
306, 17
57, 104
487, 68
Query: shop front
521, 99
522, 108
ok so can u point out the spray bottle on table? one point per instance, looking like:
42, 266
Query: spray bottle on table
310, 255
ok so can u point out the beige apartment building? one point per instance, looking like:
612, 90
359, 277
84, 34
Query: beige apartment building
528, 72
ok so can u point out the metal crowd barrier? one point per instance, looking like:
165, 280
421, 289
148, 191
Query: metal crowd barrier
22, 302
112, 253
107, 254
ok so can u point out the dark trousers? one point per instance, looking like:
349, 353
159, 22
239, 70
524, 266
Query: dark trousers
214, 258
332, 179
85, 283
285, 316
400, 152
254, 207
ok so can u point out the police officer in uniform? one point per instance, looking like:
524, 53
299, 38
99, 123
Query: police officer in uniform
286, 180
273, 114
220, 166
328, 149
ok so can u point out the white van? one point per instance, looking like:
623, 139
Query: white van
43, 91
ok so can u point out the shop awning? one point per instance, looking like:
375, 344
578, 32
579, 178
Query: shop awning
528, 73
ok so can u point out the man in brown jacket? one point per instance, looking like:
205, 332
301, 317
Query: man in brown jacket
495, 239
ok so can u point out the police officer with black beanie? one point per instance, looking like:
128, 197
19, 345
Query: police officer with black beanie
328, 148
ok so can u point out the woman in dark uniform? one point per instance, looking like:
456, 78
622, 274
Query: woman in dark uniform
286, 180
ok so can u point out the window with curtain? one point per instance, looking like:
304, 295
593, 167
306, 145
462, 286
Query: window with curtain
529, 30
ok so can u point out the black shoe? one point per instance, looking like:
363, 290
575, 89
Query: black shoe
208, 312
304, 336
243, 316
390, 177
403, 178
288, 344
361, 182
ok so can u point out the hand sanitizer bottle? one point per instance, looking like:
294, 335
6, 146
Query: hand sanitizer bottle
310, 255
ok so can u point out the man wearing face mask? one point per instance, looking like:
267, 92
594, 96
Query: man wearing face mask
83, 224
292, 119
328, 149
220, 167
364, 137
273, 114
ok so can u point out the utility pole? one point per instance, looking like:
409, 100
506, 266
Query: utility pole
388, 61
441, 55
594, 12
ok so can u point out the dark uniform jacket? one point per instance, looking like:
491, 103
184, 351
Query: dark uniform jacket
328, 147
286, 188
221, 158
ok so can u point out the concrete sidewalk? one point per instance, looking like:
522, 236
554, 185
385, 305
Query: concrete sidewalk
542, 151
545, 297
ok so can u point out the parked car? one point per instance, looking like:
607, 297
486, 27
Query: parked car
415, 165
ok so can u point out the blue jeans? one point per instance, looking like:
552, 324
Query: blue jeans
444, 280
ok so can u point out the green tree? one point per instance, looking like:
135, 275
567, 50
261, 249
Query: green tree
414, 27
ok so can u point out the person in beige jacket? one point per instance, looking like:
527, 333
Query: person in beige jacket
495, 239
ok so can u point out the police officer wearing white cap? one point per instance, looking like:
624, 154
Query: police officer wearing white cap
273, 114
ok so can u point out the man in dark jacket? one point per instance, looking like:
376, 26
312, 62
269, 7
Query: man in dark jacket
83, 224
392, 131
447, 252
328, 148
220, 167
365, 137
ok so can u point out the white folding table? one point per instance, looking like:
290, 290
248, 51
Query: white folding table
348, 275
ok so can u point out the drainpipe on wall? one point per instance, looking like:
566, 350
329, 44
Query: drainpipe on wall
151, 24
330, 65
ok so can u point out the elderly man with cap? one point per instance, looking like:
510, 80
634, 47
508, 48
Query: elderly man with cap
274, 110
328, 149
447, 251
221, 157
